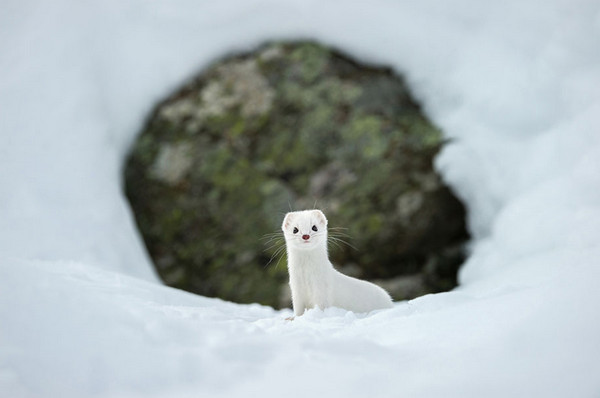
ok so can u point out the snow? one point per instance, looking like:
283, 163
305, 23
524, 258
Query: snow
513, 84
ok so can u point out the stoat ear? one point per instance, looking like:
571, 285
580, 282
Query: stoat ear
320, 216
287, 221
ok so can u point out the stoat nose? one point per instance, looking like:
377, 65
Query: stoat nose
306, 237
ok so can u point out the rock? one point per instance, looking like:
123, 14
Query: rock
405, 287
292, 126
331, 178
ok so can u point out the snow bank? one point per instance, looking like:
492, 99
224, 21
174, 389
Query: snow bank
514, 85
78, 331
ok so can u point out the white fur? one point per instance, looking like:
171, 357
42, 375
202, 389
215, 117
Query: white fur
313, 280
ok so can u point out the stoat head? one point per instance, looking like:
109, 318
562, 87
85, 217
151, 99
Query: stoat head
305, 230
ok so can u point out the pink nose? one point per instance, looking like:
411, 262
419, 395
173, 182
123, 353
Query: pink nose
306, 237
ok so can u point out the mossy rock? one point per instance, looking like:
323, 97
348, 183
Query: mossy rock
291, 126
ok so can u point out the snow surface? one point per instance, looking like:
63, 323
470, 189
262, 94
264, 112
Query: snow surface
515, 85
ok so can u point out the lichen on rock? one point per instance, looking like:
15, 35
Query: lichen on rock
286, 127
173, 162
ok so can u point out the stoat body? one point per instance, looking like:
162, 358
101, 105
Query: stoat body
313, 279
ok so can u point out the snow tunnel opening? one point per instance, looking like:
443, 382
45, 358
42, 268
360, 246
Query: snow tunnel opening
293, 125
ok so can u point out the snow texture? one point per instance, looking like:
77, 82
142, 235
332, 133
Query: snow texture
515, 87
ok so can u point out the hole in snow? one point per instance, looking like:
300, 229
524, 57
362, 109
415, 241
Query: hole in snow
293, 125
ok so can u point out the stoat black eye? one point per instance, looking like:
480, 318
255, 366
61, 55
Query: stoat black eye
295, 230
314, 228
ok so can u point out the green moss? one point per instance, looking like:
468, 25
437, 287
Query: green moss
311, 59
364, 138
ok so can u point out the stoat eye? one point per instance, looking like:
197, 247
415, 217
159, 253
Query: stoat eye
314, 228
295, 230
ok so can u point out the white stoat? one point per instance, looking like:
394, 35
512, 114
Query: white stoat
313, 280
